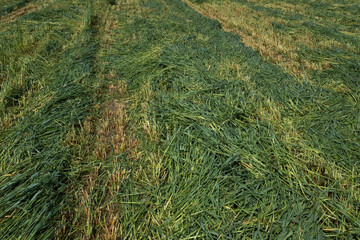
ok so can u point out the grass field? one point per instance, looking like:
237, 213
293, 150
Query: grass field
169, 119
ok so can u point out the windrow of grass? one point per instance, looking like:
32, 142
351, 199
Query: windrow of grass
47, 89
211, 141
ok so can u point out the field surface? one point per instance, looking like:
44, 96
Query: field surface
179, 119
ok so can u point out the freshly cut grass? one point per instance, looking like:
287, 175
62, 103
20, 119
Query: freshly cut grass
52, 95
229, 145
310, 40
144, 119
291, 34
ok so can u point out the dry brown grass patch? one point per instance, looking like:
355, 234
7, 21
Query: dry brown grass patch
104, 137
112, 137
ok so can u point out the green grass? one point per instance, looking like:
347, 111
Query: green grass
148, 120
11, 5
239, 148
48, 86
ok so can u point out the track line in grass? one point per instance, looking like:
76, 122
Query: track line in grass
101, 146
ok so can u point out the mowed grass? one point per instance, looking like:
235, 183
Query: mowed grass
216, 142
144, 119
312, 40
47, 62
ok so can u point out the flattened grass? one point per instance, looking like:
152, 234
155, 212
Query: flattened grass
310, 40
161, 125
51, 94
230, 146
